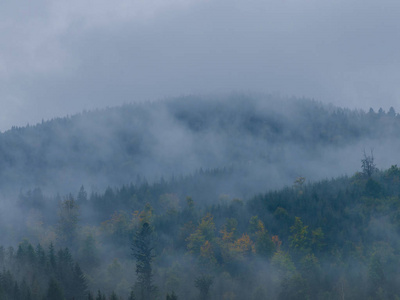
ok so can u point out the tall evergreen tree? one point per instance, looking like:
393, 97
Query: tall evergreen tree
54, 291
80, 285
143, 251
68, 221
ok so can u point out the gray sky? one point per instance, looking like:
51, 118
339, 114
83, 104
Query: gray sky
61, 57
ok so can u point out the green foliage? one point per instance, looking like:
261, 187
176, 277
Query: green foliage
367, 165
317, 240
205, 232
89, 253
54, 291
264, 245
299, 240
372, 188
68, 214
284, 266
338, 238
143, 252
376, 276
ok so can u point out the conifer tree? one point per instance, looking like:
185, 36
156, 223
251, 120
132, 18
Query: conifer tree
143, 248
113, 296
100, 296
54, 291
132, 296
68, 221
79, 283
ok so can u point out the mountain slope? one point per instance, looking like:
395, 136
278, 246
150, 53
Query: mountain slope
272, 140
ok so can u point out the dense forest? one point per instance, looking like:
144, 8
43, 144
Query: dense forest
269, 139
332, 239
194, 198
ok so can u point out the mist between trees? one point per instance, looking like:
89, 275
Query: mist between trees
322, 240
184, 215
267, 141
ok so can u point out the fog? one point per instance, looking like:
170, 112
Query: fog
218, 126
265, 141
62, 58
227, 182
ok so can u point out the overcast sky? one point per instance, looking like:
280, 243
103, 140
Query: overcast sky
61, 57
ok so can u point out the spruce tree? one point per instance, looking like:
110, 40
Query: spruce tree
143, 248
54, 291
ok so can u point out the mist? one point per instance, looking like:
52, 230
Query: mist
199, 150
236, 190
61, 59
266, 141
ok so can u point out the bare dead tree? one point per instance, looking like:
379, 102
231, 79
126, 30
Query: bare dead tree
367, 164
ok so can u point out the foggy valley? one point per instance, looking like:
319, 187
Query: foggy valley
235, 196
199, 150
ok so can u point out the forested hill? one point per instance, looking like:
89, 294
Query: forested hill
332, 239
273, 140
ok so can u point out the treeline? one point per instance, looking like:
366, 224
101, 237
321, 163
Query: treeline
177, 136
325, 240
30, 273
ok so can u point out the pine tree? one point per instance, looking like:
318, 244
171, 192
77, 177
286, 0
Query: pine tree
100, 296
52, 257
68, 221
82, 198
143, 248
54, 291
113, 296
132, 296
16, 292
89, 256
41, 256
80, 285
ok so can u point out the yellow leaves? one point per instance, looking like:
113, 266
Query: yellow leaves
204, 242
244, 246
207, 226
299, 240
298, 184
204, 233
260, 226
206, 250
263, 243
146, 215
277, 242
122, 224
299, 181
207, 254
119, 221
228, 231
226, 236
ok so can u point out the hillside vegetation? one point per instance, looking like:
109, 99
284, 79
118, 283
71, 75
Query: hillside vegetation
273, 140
195, 198
308, 241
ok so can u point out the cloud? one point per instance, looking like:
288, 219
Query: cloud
62, 57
